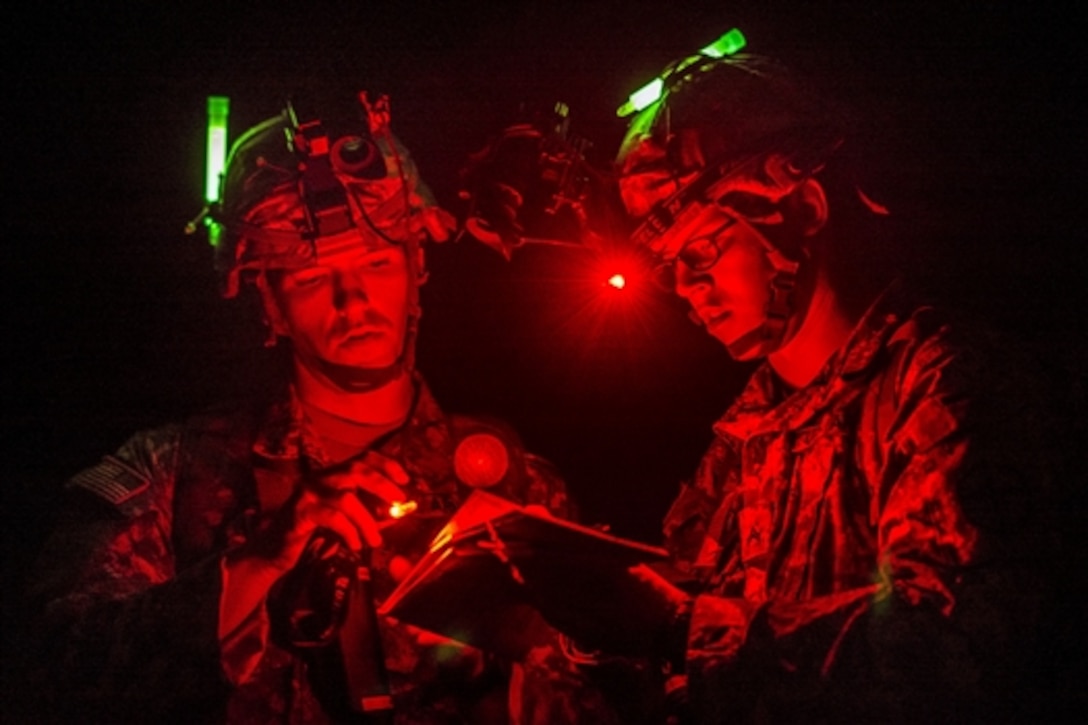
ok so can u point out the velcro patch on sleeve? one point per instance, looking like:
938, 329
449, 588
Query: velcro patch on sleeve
113, 480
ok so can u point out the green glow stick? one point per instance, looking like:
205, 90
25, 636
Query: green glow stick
218, 109
650, 93
728, 44
642, 98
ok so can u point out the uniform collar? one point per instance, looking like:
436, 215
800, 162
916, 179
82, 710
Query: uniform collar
761, 407
285, 440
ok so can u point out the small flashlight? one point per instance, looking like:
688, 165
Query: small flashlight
400, 509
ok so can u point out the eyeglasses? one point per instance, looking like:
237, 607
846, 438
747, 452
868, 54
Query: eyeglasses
698, 254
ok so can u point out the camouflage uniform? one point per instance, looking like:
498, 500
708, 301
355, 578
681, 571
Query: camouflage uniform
870, 547
128, 586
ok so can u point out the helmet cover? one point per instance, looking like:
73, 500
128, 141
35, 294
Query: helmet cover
736, 132
287, 186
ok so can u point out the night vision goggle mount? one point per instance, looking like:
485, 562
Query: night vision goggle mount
531, 184
348, 151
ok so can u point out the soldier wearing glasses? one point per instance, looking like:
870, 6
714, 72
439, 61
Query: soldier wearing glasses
864, 539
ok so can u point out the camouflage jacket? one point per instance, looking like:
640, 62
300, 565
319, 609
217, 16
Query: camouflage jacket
870, 547
127, 588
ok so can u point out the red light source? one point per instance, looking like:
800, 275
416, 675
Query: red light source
481, 460
617, 281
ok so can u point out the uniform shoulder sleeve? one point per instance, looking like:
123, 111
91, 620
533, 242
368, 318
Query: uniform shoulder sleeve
137, 476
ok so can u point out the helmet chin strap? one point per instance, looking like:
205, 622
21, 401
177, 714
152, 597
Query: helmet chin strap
359, 380
748, 345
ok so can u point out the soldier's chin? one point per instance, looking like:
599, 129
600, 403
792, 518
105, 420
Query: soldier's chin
363, 360
376, 351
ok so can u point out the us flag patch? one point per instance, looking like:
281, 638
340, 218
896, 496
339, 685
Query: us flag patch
113, 480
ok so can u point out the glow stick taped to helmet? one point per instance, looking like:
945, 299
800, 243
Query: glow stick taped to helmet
728, 44
218, 110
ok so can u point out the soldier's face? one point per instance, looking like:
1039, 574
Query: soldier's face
349, 310
723, 272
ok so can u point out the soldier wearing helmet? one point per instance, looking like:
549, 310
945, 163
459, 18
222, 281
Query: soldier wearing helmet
738, 148
206, 571
864, 539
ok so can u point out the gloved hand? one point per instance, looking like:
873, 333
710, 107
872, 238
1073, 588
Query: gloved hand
337, 501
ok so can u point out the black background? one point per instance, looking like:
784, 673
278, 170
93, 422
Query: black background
110, 316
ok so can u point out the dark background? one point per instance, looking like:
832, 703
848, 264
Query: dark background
110, 317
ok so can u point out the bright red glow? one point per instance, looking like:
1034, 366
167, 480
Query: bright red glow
603, 308
481, 460
620, 270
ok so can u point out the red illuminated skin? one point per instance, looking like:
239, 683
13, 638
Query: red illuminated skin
731, 297
350, 310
